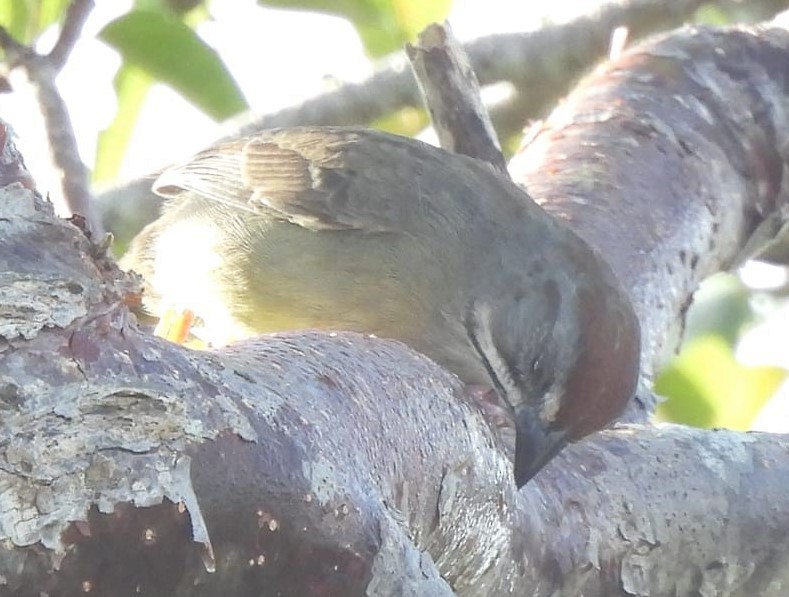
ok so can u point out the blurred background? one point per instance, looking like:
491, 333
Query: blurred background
150, 82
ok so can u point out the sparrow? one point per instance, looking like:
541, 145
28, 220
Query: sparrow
352, 229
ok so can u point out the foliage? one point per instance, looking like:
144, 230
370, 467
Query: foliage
25, 20
157, 45
705, 385
384, 25
158, 42
168, 50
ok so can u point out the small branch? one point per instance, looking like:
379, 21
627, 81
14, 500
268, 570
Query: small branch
42, 70
63, 145
541, 64
452, 95
76, 15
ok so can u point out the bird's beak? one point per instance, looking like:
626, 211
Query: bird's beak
535, 445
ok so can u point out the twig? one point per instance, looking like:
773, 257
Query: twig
452, 95
76, 15
42, 70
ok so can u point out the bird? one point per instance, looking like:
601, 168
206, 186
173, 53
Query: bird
345, 228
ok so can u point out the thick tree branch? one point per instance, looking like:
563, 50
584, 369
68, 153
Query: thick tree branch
309, 459
302, 462
666, 160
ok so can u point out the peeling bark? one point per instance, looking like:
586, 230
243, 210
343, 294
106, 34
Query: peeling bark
121, 451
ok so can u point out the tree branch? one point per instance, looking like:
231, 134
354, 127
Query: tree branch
305, 460
452, 95
42, 70
300, 462
76, 16
666, 160
540, 64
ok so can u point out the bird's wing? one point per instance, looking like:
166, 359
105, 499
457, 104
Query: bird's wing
319, 178
214, 173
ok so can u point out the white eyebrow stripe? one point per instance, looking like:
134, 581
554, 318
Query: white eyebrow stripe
481, 315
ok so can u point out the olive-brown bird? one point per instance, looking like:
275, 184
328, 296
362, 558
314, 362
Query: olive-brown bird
352, 229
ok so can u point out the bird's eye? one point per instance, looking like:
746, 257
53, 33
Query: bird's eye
517, 373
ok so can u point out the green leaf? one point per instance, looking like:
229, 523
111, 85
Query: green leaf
25, 20
131, 88
171, 52
49, 12
384, 25
709, 14
707, 387
407, 121
179, 8
15, 17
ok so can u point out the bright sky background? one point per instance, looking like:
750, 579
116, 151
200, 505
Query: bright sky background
279, 58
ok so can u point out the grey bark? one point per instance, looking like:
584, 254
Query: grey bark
344, 465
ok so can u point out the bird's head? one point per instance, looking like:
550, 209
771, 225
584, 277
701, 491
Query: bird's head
565, 361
